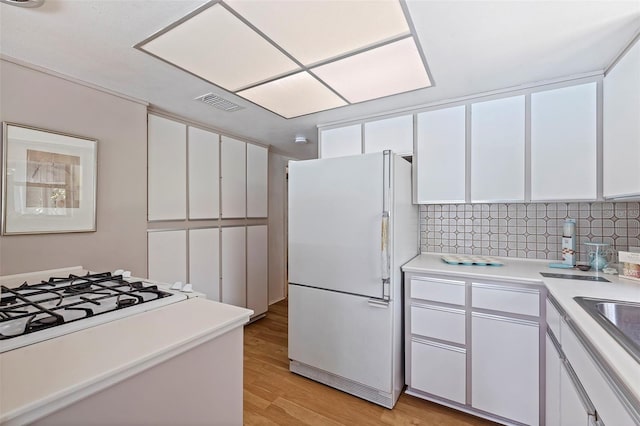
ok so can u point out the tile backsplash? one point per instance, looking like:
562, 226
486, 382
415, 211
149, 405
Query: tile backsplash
526, 230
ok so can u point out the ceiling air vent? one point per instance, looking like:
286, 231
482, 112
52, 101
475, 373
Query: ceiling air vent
24, 3
218, 102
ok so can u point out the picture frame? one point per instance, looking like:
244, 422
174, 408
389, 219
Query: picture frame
49, 181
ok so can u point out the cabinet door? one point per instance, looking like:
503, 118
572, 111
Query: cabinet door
552, 383
563, 144
341, 142
167, 255
440, 156
257, 178
233, 178
204, 261
234, 266
204, 174
497, 150
395, 134
505, 367
573, 410
257, 269
167, 169
621, 140
611, 410
439, 370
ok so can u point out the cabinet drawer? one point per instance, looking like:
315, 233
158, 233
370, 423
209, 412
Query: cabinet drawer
440, 370
553, 320
516, 300
438, 323
438, 290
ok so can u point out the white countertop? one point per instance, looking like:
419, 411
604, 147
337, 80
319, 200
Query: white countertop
563, 291
49, 375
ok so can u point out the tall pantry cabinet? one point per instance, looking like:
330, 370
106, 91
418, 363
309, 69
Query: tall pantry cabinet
207, 212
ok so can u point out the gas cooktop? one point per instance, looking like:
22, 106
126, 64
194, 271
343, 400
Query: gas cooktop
35, 312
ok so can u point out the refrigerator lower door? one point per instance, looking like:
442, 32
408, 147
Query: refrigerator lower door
336, 210
343, 341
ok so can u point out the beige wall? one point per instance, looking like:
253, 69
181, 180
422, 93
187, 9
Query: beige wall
41, 100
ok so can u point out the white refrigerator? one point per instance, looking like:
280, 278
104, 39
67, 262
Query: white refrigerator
351, 227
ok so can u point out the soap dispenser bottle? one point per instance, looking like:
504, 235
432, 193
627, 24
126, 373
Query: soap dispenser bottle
569, 242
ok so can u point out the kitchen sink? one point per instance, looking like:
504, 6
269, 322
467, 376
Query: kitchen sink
620, 319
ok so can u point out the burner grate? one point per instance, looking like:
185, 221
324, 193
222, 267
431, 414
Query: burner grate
33, 308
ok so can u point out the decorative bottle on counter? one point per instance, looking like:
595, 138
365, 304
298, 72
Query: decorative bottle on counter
569, 242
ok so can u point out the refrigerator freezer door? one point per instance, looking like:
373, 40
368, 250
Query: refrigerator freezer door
335, 217
342, 334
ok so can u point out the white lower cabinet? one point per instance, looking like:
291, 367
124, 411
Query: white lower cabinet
257, 269
573, 410
475, 346
167, 251
599, 398
244, 267
567, 403
234, 266
505, 367
204, 261
552, 380
579, 389
439, 369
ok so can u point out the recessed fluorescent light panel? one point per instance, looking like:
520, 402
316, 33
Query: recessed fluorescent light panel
297, 57
383, 71
293, 96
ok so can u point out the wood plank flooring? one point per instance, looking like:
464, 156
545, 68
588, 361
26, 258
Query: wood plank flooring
275, 396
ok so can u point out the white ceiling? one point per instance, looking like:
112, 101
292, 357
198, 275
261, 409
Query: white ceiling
471, 47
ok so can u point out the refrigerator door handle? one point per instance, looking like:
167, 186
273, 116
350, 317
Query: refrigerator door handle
386, 255
386, 261
377, 303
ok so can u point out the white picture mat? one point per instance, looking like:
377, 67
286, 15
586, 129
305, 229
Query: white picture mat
21, 219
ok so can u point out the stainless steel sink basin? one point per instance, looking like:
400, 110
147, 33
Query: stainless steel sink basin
620, 319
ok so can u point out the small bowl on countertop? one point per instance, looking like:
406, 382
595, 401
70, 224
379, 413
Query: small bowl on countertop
583, 267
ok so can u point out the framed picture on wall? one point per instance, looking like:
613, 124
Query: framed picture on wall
48, 181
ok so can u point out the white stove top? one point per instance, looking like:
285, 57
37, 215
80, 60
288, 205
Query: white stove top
52, 303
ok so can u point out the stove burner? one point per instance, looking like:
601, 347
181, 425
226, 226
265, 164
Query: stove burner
123, 303
8, 299
45, 322
78, 288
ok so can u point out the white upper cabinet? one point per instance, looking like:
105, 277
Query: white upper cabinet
341, 141
440, 152
233, 178
621, 116
563, 144
257, 179
204, 172
167, 169
395, 134
498, 150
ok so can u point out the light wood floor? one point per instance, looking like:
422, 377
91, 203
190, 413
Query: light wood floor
275, 396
